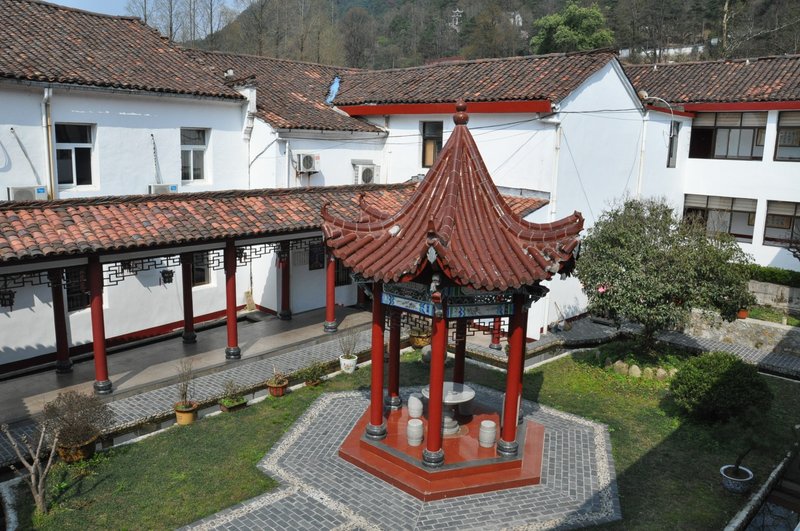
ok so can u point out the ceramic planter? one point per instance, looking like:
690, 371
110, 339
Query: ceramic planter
186, 412
419, 339
277, 390
734, 483
348, 365
73, 454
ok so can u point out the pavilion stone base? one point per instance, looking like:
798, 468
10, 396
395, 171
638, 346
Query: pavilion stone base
468, 468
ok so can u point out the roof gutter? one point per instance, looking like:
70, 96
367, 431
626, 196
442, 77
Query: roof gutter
488, 107
322, 134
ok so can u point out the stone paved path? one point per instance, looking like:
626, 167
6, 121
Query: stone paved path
319, 490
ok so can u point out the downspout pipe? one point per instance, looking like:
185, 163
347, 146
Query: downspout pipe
47, 125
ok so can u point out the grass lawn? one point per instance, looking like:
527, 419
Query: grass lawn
773, 315
667, 467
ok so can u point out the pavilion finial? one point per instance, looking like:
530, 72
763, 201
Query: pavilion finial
461, 117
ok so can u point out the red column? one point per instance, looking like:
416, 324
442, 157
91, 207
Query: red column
376, 428
461, 351
330, 295
285, 313
393, 398
102, 385
232, 352
433, 454
187, 263
507, 445
495, 344
63, 363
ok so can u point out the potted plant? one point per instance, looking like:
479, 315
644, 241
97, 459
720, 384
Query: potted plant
233, 398
78, 419
277, 383
347, 344
185, 408
313, 374
419, 338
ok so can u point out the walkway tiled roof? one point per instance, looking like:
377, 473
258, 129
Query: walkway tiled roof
50, 229
48, 43
538, 77
458, 212
726, 81
290, 94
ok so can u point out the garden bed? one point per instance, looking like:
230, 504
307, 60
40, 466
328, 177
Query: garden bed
667, 467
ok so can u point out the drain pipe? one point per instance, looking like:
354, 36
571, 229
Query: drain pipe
47, 125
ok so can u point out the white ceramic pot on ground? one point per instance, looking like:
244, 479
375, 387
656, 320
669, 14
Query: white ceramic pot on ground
348, 365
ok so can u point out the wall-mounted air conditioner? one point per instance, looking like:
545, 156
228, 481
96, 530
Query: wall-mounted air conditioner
366, 174
308, 162
162, 189
26, 193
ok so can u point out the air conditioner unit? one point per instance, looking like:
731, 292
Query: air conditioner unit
308, 162
366, 174
162, 189
26, 193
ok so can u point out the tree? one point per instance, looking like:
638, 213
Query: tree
31, 459
642, 263
358, 29
573, 29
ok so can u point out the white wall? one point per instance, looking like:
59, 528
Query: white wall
21, 108
337, 151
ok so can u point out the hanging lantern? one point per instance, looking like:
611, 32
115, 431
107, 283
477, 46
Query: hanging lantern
167, 275
7, 297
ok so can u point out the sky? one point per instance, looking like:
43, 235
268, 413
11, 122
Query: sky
109, 7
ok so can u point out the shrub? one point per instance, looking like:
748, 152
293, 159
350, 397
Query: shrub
77, 417
313, 373
775, 275
232, 395
718, 386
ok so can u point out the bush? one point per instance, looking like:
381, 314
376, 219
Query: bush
313, 373
775, 275
718, 386
77, 418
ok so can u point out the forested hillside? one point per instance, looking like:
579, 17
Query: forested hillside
398, 33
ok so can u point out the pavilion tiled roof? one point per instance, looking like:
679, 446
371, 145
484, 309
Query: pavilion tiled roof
42, 42
537, 77
458, 212
289, 94
36, 230
766, 79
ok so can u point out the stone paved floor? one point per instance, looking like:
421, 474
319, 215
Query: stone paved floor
319, 490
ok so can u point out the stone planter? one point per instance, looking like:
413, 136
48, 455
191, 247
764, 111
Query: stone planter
348, 365
73, 454
231, 407
414, 432
734, 483
186, 412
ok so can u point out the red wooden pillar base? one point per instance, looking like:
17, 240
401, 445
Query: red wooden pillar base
507, 445
187, 264
102, 385
330, 295
376, 428
63, 363
461, 351
495, 344
393, 397
232, 351
433, 454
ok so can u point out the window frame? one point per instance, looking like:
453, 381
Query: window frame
758, 139
64, 146
200, 263
427, 137
342, 277
785, 129
791, 225
194, 149
76, 288
703, 213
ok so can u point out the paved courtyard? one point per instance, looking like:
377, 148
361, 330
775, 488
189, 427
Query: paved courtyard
319, 490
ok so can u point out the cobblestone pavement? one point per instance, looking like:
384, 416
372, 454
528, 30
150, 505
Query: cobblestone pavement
319, 490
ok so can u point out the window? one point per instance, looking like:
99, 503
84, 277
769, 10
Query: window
672, 153
316, 256
74, 154
193, 153
731, 215
728, 135
788, 145
200, 276
77, 284
342, 275
431, 142
782, 226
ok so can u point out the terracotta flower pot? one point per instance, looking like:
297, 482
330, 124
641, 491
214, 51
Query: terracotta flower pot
277, 390
73, 454
744, 313
186, 412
